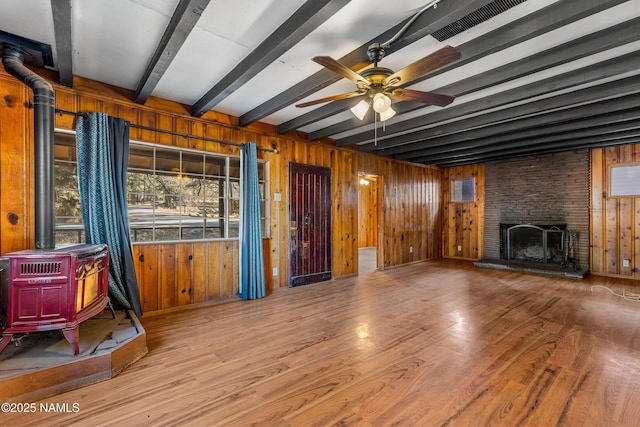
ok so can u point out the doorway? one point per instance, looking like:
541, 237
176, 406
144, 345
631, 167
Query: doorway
310, 223
369, 217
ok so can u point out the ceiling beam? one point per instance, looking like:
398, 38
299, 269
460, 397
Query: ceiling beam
548, 19
585, 115
182, 22
613, 130
61, 11
445, 13
530, 94
628, 137
623, 91
307, 18
591, 44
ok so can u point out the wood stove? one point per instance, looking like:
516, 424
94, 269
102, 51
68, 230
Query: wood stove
44, 290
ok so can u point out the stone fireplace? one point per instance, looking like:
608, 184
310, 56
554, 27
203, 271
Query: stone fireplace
547, 197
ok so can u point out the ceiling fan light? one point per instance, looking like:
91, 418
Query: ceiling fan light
360, 109
387, 114
381, 102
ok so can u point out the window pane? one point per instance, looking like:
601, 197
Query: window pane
462, 190
214, 166
192, 163
624, 180
168, 160
172, 194
140, 157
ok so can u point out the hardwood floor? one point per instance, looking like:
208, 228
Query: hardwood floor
433, 343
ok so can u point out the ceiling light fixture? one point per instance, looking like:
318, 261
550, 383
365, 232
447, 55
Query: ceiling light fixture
381, 104
360, 109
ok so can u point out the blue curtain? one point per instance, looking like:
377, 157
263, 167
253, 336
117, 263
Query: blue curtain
251, 258
102, 146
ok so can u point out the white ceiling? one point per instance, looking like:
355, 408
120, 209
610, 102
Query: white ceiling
114, 42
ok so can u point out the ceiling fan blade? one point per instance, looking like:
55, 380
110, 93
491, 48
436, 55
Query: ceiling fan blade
343, 70
330, 98
429, 63
428, 98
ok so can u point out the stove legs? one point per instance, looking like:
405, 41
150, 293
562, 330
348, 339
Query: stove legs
72, 335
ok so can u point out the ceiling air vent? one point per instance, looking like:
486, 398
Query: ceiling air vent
471, 20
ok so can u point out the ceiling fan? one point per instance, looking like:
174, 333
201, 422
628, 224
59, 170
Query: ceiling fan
377, 85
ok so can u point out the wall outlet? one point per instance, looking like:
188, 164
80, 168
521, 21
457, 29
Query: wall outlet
410, 249
275, 271
626, 262
277, 197
459, 247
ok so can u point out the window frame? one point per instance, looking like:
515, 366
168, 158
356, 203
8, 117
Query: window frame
228, 198
453, 191
610, 178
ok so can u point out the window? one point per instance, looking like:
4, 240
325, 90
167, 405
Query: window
463, 190
624, 180
173, 194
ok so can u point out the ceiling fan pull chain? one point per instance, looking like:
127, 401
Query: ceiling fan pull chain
375, 129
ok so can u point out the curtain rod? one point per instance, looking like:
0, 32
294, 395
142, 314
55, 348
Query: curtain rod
185, 135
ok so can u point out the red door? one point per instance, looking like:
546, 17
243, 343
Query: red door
310, 223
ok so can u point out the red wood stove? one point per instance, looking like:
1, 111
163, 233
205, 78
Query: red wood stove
57, 289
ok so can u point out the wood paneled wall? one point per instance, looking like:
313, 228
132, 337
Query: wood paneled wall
615, 221
463, 235
176, 274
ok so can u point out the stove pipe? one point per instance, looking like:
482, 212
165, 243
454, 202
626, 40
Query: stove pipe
43, 128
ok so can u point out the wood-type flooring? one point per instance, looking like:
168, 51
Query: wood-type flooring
436, 343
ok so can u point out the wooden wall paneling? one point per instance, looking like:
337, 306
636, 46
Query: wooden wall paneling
380, 221
148, 119
228, 277
461, 235
166, 122
479, 218
597, 210
16, 140
615, 221
167, 276
184, 272
145, 259
65, 101
390, 192
403, 221
214, 270
625, 235
87, 104
373, 213
612, 206
130, 114
110, 109
635, 261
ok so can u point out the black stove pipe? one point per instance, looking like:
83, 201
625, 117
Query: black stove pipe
43, 128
